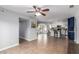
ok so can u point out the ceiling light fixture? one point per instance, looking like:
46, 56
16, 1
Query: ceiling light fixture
37, 14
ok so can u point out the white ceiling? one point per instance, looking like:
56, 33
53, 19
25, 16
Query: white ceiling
57, 12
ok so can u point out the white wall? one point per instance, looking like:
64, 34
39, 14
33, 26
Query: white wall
77, 27
9, 29
26, 31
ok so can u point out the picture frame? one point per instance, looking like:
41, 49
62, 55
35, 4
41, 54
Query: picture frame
33, 25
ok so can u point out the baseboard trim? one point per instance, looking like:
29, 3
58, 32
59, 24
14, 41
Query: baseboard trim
22, 37
27, 39
9, 46
76, 42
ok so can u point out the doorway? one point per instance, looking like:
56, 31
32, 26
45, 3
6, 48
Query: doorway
71, 28
42, 34
22, 30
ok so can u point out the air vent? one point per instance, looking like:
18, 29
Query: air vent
71, 6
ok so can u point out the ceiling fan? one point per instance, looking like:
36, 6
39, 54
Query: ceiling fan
39, 11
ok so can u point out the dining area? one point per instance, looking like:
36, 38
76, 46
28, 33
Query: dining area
58, 32
46, 32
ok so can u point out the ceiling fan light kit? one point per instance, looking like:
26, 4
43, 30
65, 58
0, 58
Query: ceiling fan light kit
37, 14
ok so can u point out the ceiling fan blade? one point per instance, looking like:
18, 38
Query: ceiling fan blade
43, 14
30, 11
45, 10
39, 9
35, 8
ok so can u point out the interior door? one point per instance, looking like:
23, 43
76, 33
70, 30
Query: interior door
71, 28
